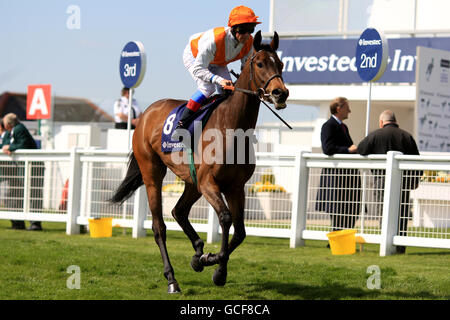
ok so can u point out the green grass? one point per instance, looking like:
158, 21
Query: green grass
33, 265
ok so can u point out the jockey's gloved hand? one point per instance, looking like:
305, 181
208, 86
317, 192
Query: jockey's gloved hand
225, 83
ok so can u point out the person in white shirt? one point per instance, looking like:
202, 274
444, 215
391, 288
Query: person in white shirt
121, 111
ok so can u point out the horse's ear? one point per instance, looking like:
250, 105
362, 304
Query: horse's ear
257, 41
275, 41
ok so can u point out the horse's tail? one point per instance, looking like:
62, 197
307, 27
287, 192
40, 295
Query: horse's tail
133, 180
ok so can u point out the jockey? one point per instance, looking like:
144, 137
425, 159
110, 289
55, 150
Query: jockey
207, 55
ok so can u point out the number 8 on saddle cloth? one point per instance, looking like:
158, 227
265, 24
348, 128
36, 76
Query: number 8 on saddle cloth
203, 114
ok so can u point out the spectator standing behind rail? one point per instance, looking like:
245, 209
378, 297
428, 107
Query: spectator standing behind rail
391, 138
5, 175
121, 111
340, 189
20, 138
4, 134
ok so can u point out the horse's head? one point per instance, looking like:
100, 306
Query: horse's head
267, 68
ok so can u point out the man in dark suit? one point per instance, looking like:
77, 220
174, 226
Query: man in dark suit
20, 138
340, 189
391, 138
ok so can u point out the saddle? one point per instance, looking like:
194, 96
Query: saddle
201, 117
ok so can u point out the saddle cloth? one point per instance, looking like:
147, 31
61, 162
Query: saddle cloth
203, 114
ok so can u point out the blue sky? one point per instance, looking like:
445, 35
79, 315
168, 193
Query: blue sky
38, 47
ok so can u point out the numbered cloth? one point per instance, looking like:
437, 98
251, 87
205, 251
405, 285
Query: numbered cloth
200, 118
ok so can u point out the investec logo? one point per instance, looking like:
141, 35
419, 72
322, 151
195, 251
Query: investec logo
126, 54
344, 63
364, 42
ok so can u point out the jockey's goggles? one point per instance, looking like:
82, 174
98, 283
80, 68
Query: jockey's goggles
245, 29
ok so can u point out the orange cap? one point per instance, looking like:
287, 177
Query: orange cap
242, 14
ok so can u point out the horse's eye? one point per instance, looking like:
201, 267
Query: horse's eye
259, 64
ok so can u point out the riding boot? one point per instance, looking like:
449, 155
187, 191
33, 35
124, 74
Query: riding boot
35, 226
182, 123
194, 103
187, 113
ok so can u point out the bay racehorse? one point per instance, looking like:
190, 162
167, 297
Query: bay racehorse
260, 79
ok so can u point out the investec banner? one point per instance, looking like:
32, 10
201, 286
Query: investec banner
333, 60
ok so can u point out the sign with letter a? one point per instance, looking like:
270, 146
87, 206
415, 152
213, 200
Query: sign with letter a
39, 101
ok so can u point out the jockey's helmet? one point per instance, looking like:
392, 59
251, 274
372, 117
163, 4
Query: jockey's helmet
241, 15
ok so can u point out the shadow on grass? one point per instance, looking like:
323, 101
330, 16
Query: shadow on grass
48, 227
335, 292
437, 253
291, 291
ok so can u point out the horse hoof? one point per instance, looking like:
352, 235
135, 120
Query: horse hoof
173, 288
196, 265
219, 277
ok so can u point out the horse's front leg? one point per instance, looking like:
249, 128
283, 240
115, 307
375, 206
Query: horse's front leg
236, 203
181, 213
212, 194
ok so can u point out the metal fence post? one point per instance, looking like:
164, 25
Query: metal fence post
213, 226
299, 200
391, 202
139, 212
74, 197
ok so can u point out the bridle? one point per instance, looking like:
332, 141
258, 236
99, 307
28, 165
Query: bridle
261, 91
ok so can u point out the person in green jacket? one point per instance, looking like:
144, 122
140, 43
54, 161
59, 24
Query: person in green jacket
6, 174
20, 138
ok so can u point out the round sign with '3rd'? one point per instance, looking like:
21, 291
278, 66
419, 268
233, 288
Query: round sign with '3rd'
132, 64
371, 55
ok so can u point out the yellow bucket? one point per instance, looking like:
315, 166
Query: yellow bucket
100, 228
342, 242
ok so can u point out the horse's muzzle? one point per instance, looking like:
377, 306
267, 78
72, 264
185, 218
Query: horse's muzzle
279, 97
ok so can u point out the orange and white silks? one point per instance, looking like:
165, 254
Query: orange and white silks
219, 39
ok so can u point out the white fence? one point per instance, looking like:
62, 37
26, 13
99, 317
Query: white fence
283, 197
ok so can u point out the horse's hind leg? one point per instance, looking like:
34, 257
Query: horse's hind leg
153, 172
159, 231
181, 213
